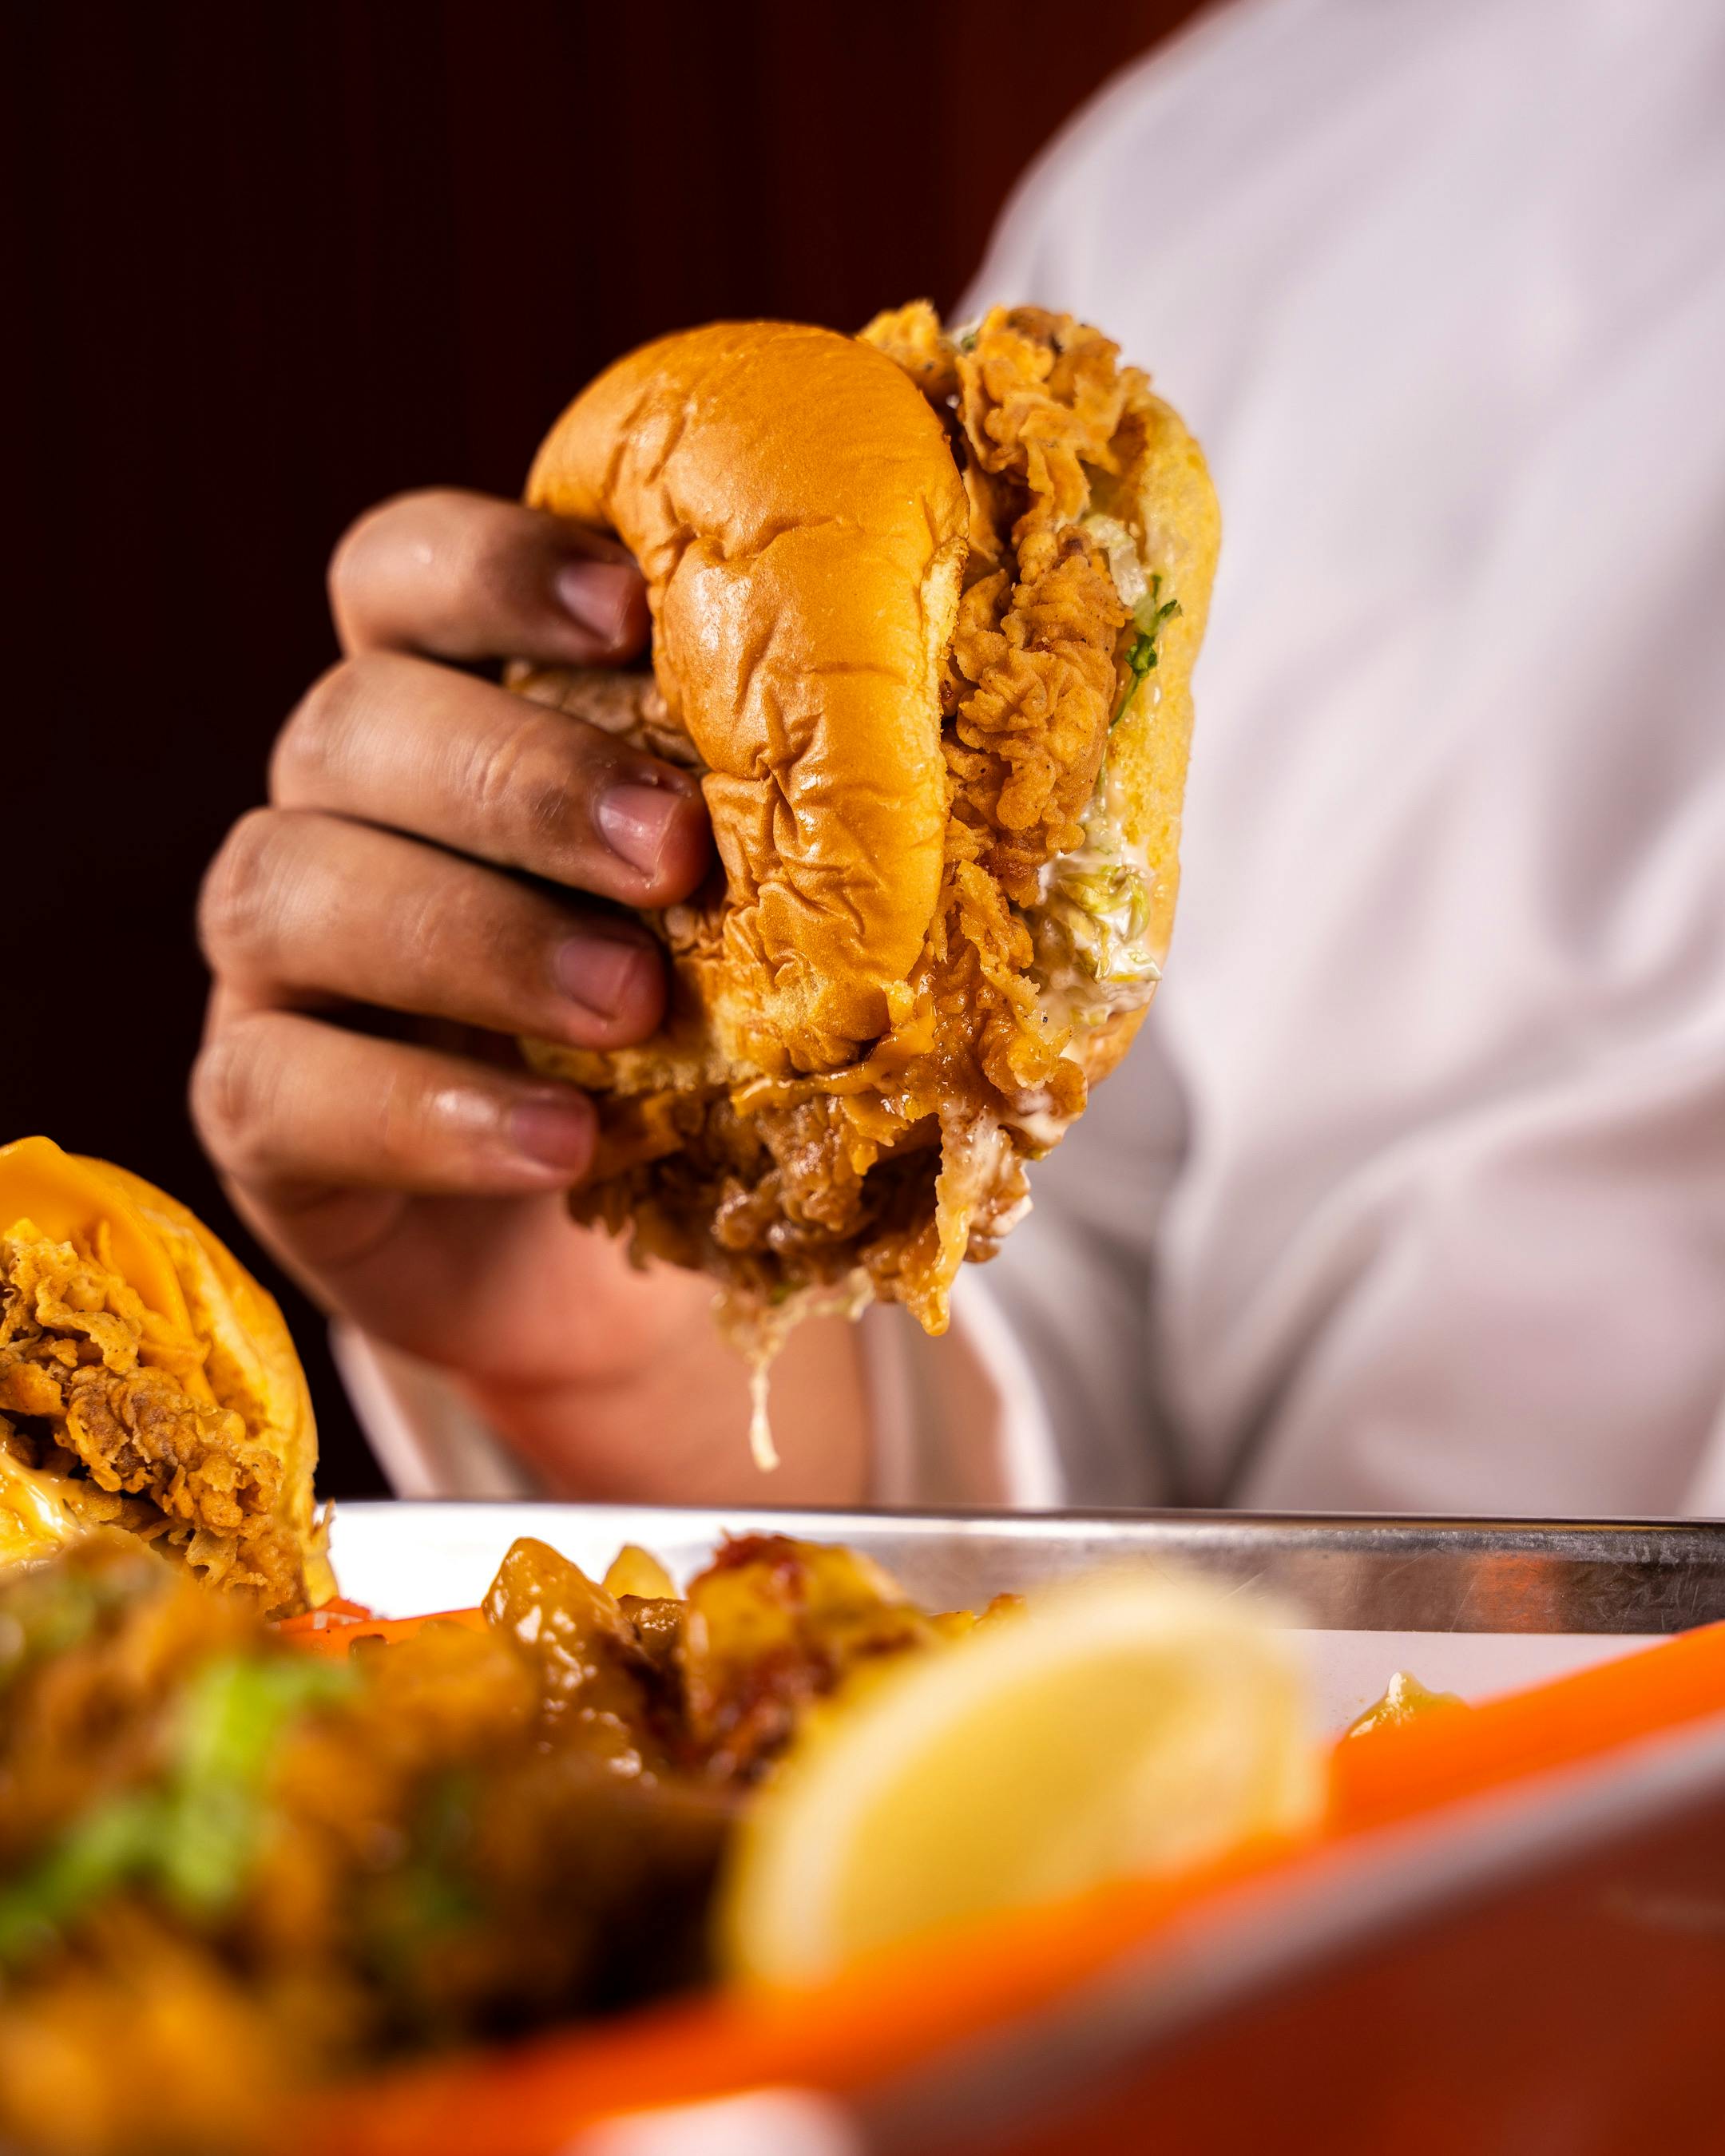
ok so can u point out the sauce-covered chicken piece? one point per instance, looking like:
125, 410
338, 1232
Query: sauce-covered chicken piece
773, 1625
600, 1690
712, 1684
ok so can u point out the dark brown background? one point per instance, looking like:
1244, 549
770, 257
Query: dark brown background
271, 263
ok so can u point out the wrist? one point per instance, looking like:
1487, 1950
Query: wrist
671, 1426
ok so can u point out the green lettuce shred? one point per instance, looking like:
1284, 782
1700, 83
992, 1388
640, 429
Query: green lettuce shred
1142, 654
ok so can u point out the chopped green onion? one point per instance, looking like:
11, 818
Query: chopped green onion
108, 1845
193, 1840
428, 1897
1142, 654
233, 1713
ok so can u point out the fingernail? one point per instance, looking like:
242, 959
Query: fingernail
599, 971
635, 822
556, 1132
599, 595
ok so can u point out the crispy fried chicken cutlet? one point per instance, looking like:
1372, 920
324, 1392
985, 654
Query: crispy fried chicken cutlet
147, 1381
926, 607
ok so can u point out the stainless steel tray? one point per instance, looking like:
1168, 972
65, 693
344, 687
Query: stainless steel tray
1416, 1919
1343, 1571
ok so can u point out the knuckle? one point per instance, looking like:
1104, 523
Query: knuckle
235, 1086
533, 797
502, 560
511, 941
398, 1121
474, 932
434, 537
238, 902
431, 922
351, 557
417, 1118
312, 746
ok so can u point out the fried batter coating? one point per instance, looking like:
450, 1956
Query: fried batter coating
1035, 668
104, 1401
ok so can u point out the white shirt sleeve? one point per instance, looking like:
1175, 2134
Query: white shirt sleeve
422, 1434
959, 1423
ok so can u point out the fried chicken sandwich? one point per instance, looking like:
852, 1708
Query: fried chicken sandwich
926, 605
147, 1383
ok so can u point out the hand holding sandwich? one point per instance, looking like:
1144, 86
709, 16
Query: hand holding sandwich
925, 605
426, 851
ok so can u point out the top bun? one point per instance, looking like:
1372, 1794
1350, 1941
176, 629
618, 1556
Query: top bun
925, 607
796, 510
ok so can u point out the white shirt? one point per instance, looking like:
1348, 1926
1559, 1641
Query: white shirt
1411, 1195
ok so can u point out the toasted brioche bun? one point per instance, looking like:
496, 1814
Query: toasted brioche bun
890, 633
221, 1334
799, 520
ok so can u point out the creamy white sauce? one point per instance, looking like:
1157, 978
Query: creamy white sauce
1041, 1125
761, 1449
757, 1329
1091, 918
1091, 925
1125, 564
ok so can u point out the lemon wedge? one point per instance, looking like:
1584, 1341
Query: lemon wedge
1124, 1726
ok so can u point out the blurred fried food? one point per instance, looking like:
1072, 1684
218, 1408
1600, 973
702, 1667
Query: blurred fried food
271, 1868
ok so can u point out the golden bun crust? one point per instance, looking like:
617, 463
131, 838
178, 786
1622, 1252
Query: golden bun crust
253, 1366
244, 1361
799, 515
1149, 749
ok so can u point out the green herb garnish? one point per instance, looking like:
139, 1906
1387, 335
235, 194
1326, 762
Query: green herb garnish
429, 1897
232, 1714
108, 1844
54, 1611
193, 1838
1150, 612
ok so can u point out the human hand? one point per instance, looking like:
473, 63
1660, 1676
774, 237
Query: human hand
432, 849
